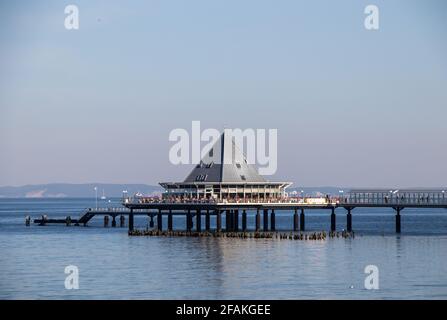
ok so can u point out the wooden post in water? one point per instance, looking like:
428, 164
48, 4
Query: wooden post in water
151, 222
159, 221
188, 221
131, 220
398, 220
218, 221
349, 221
244, 220
207, 220
113, 221
106, 221
333, 226
295, 220
266, 219
272, 220
122, 221
227, 220
198, 221
170, 220
258, 221
236, 220
302, 221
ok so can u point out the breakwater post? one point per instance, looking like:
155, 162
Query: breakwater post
302, 221
295, 220
349, 220
333, 222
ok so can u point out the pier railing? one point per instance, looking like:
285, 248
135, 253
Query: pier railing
285, 200
416, 198
422, 198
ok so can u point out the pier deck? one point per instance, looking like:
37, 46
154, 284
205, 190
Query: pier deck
152, 207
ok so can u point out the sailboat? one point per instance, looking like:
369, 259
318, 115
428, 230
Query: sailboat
103, 197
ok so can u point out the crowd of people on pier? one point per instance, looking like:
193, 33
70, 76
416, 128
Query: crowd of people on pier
211, 200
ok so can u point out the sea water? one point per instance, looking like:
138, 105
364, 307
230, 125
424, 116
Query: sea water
112, 265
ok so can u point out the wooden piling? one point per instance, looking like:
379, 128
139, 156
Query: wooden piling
258, 221
188, 221
295, 220
27, 221
198, 221
266, 220
272, 221
349, 220
302, 221
113, 221
207, 221
151, 221
236, 220
218, 221
159, 221
244, 220
398, 227
333, 226
131, 220
122, 221
170, 220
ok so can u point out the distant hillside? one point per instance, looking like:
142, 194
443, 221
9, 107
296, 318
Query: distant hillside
61, 190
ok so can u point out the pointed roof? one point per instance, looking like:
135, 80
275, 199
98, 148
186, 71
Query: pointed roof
224, 162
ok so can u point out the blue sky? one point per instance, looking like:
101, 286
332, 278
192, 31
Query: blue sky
352, 107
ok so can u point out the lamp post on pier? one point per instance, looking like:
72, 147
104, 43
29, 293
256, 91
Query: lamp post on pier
96, 198
341, 195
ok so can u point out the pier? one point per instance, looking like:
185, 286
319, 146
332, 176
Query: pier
225, 186
235, 212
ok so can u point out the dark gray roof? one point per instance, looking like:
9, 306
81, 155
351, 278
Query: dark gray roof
224, 163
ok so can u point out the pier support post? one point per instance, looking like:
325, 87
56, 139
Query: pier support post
170, 220
122, 221
398, 220
227, 220
333, 226
218, 221
151, 221
198, 221
266, 219
272, 220
131, 220
207, 220
302, 221
113, 221
244, 220
106, 221
349, 221
236, 220
295, 220
159, 221
258, 221
188, 221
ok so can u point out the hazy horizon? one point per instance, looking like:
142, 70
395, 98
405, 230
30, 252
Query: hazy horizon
352, 107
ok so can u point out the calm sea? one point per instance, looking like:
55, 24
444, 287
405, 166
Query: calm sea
113, 265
